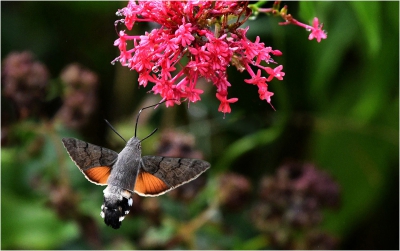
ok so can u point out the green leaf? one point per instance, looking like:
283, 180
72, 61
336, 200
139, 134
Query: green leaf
255, 243
27, 224
360, 161
326, 57
156, 236
369, 18
306, 11
245, 144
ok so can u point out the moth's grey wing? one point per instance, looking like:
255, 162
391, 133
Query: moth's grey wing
95, 162
159, 175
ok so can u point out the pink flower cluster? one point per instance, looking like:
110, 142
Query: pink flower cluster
196, 38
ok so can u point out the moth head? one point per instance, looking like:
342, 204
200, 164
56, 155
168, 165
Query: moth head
134, 143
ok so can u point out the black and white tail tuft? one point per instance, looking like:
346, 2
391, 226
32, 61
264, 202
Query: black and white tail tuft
117, 203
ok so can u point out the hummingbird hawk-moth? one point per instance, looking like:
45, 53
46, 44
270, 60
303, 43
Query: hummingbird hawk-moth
127, 172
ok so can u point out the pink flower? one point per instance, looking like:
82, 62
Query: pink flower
275, 73
222, 84
256, 79
265, 94
194, 41
130, 14
224, 106
183, 34
316, 31
169, 91
145, 77
193, 94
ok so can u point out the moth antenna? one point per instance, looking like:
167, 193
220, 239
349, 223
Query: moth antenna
108, 123
150, 134
137, 118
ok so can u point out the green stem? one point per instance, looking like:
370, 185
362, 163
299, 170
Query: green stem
246, 144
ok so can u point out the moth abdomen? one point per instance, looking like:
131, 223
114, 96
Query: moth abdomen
116, 205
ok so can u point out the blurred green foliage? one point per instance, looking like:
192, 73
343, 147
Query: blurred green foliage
338, 107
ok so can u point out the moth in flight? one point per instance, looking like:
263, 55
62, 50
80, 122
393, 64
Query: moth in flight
128, 171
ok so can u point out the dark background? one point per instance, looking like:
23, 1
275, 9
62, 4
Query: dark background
337, 107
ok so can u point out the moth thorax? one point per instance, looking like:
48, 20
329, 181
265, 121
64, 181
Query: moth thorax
116, 205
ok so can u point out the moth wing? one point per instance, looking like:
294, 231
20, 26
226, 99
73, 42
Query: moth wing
95, 162
159, 175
